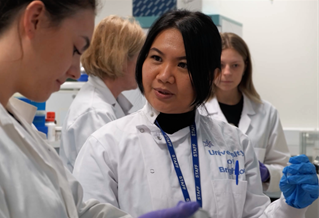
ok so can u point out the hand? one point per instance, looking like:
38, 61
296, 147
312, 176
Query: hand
264, 173
182, 210
299, 182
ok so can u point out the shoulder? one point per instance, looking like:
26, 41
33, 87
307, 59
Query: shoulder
121, 127
87, 107
264, 108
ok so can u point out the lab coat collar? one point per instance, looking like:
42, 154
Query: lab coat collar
23, 112
107, 95
245, 119
212, 108
21, 109
151, 115
124, 103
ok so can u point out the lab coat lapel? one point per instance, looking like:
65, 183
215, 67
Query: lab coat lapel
42, 153
213, 110
245, 119
153, 164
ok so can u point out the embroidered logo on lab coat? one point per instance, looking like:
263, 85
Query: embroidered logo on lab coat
208, 143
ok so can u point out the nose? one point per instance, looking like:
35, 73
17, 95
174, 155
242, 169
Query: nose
166, 74
74, 70
226, 71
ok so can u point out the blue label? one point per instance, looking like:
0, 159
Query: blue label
194, 147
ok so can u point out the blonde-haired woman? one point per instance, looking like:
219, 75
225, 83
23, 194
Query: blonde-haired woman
110, 63
236, 101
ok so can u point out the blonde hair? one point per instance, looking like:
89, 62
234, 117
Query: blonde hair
115, 40
246, 86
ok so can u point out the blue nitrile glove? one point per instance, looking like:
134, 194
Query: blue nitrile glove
264, 173
182, 210
299, 182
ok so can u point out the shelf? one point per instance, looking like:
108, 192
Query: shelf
72, 85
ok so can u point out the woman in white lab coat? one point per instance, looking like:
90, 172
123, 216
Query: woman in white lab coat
168, 152
41, 44
236, 101
110, 63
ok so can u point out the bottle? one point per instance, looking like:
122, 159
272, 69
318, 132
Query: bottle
49, 122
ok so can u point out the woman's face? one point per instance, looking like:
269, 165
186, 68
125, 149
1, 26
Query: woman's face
233, 67
52, 54
166, 82
129, 73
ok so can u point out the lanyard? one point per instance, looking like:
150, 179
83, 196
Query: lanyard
178, 171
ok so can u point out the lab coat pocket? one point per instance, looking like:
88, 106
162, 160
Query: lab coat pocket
260, 153
230, 198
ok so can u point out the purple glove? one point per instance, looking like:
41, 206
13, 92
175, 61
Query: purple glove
264, 173
182, 210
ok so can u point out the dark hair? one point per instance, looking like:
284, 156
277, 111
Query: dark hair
57, 9
202, 46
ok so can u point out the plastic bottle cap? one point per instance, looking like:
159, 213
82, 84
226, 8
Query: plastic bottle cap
50, 117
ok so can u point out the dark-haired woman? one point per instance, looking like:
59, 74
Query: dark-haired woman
41, 44
168, 152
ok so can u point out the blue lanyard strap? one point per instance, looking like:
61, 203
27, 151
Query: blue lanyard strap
178, 171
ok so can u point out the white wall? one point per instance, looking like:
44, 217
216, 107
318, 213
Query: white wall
110, 7
195, 5
283, 39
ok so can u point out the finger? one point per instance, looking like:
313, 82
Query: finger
189, 207
299, 159
303, 179
302, 168
183, 209
287, 189
312, 189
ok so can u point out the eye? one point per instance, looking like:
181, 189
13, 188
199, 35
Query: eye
156, 58
183, 65
235, 65
76, 51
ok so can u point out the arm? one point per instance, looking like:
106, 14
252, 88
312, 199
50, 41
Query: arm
299, 185
92, 208
4, 212
75, 135
277, 154
257, 204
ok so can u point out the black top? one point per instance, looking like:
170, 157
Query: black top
171, 123
232, 112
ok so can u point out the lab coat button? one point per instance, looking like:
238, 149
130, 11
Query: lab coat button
159, 138
152, 114
141, 130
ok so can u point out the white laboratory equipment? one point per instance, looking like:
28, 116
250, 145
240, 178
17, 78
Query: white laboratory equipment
49, 122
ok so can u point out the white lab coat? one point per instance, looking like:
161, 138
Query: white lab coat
126, 163
93, 107
33, 181
261, 123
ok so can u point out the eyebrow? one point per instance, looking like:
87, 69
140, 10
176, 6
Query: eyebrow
161, 53
87, 43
